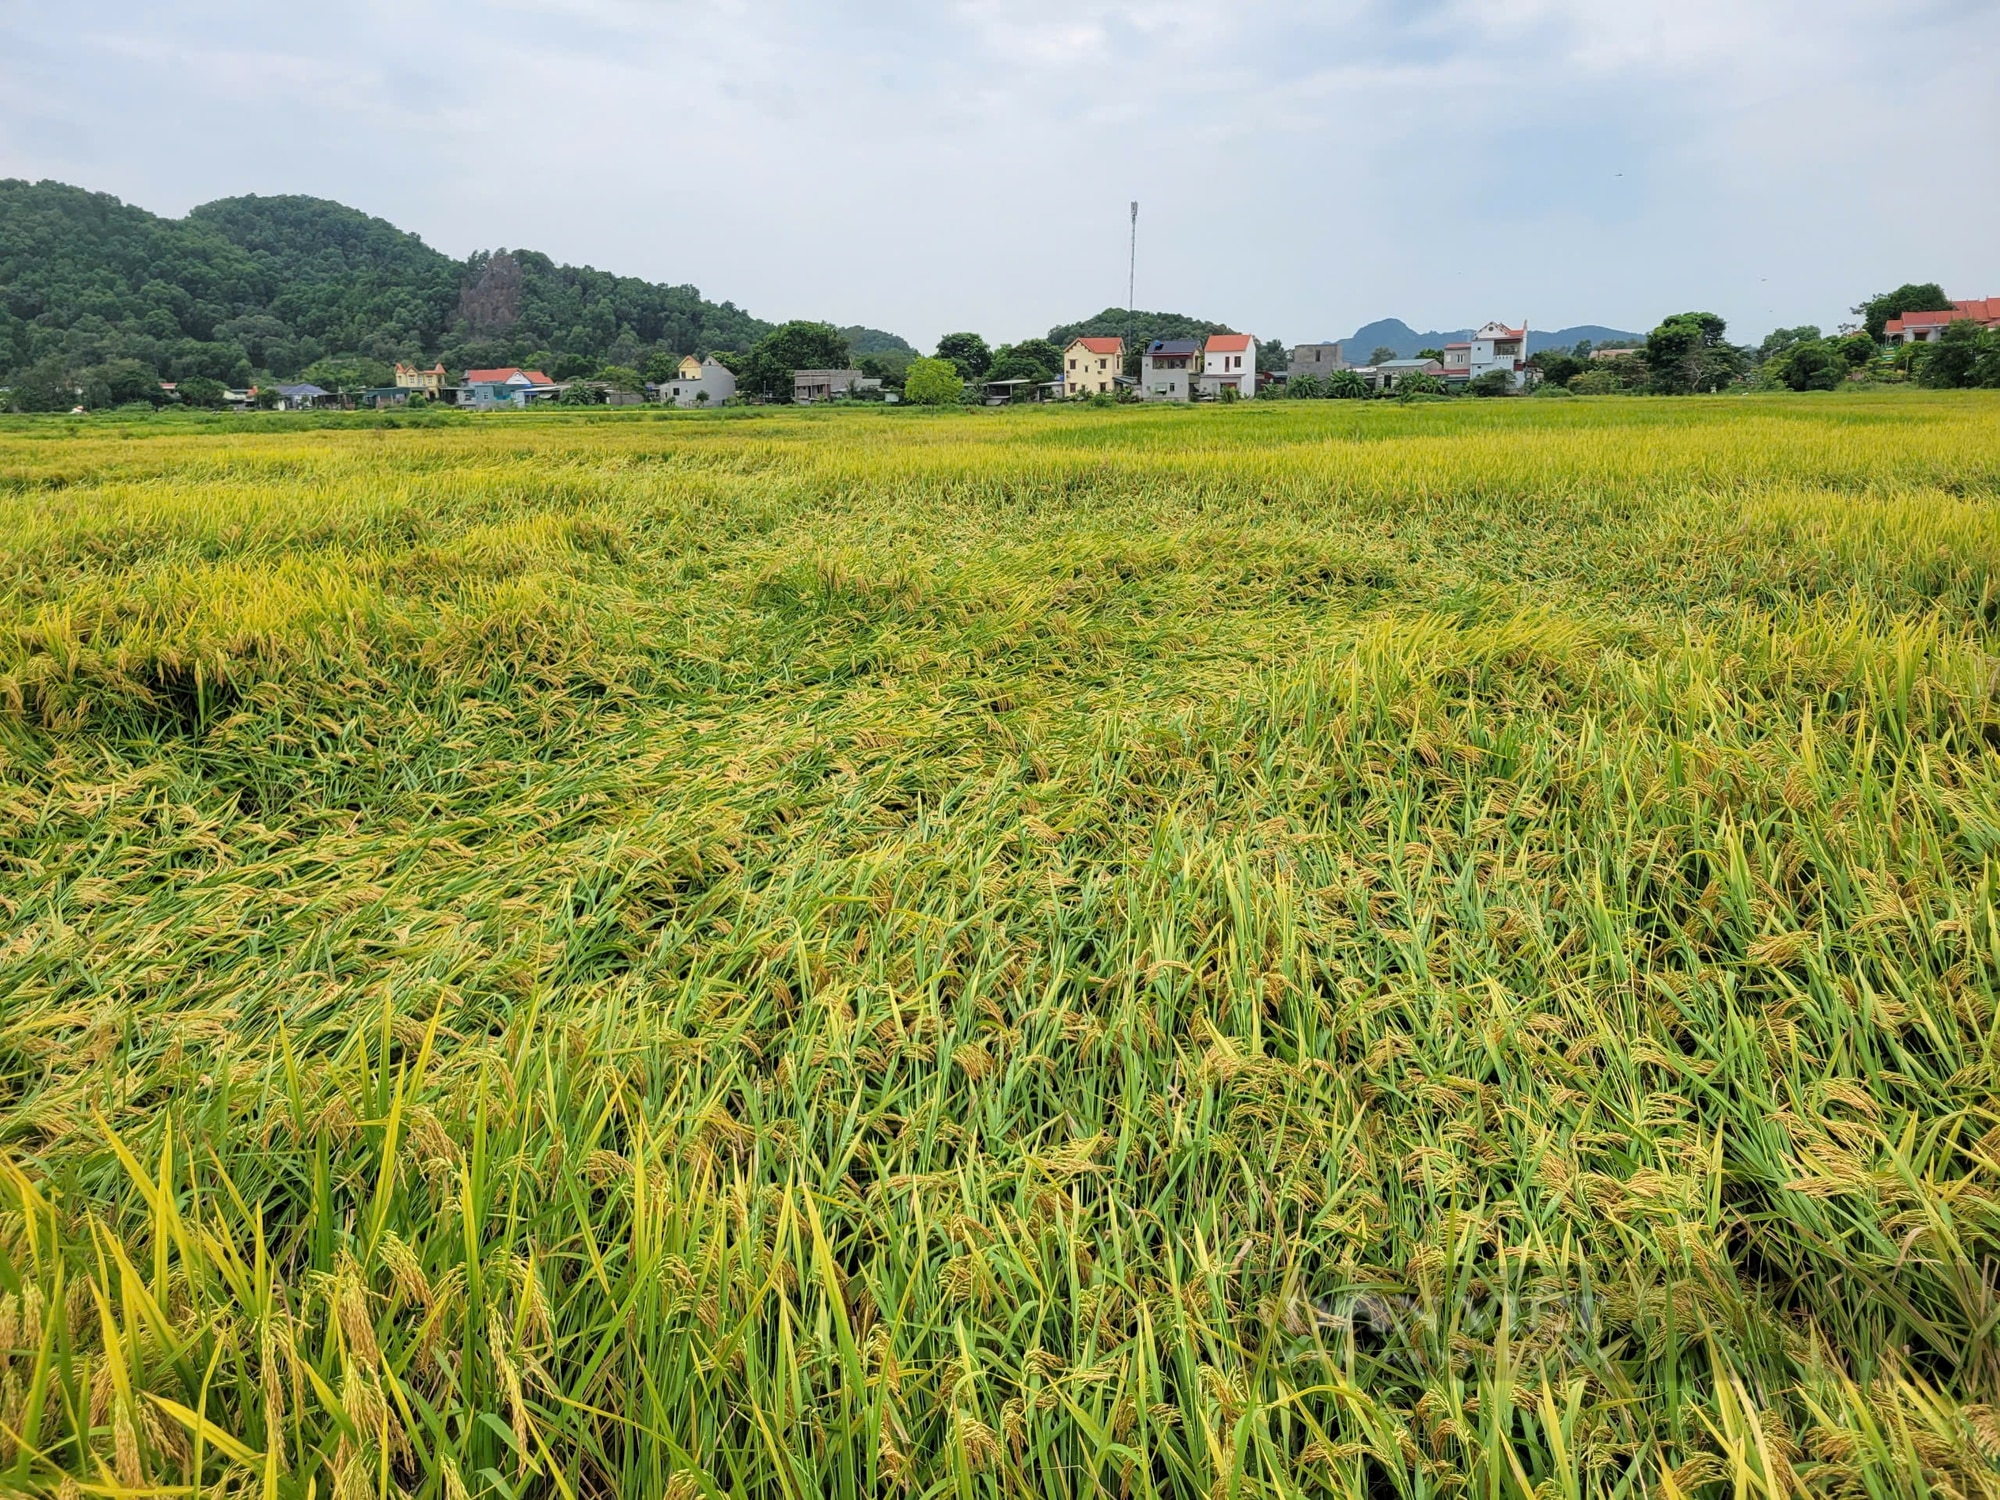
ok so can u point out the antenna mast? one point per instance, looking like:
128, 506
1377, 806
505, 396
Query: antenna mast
1131, 275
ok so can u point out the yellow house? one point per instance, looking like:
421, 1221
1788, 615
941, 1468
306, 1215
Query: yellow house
1091, 365
690, 367
430, 382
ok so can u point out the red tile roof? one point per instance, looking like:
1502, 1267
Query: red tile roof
1100, 345
504, 374
1228, 343
1980, 309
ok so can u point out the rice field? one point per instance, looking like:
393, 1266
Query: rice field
1317, 948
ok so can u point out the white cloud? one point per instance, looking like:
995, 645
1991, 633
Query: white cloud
924, 166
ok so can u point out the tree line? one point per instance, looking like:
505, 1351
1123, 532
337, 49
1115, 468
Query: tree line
1690, 353
101, 301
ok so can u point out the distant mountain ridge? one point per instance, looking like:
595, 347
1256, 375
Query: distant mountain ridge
1394, 333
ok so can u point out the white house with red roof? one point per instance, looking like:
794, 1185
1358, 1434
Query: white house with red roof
1229, 359
507, 375
1494, 347
506, 385
1929, 327
1092, 365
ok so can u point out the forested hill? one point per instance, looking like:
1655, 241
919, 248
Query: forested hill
1144, 327
270, 285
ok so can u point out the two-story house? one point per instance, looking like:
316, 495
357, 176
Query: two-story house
1498, 347
1167, 370
1092, 365
809, 386
1315, 359
699, 382
429, 382
1229, 359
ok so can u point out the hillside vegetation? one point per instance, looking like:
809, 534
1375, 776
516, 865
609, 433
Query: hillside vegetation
273, 284
1140, 327
1293, 949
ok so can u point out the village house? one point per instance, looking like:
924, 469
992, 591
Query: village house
1166, 370
304, 397
1091, 366
1229, 360
1315, 359
1494, 347
507, 385
1929, 327
699, 382
430, 383
823, 385
1392, 372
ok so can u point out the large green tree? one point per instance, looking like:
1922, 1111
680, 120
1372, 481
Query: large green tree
1688, 353
798, 345
1807, 365
933, 382
1031, 359
1779, 340
1964, 355
1557, 366
46, 385
349, 373
1911, 296
120, 382
888, 366
968, 353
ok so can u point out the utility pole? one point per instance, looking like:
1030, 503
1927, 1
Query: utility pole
1131, 275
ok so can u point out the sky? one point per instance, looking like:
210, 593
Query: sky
923, 167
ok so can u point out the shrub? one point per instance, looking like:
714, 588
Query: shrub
200, 390
1346, 385
1813, 365
1964, 355
1492, 383
44, 386
933, 382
